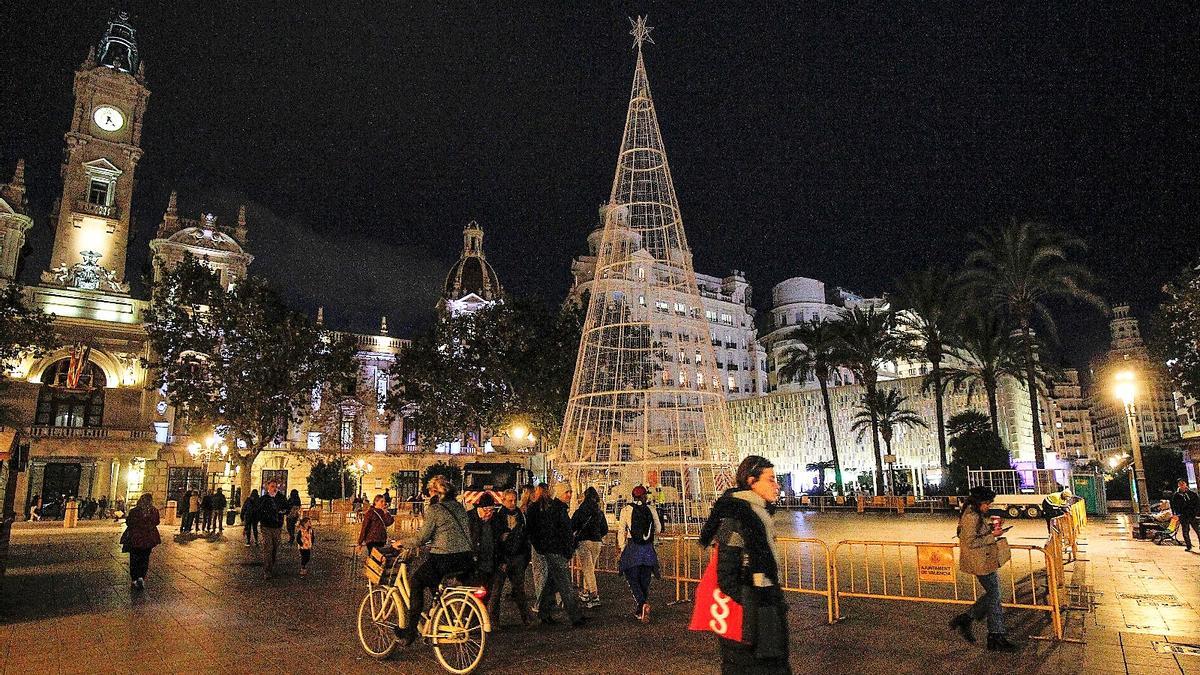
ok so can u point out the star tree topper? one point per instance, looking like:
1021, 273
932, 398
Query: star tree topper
640, 32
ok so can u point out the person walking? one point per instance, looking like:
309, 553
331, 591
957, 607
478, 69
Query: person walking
483, 540
512, 553
305, 536
446, 531
748, 569
140, 538
270, 523
638, 562
250, 517
538, 497
979, 554
590, 526
219, 505
1185, 503
206, 507
373, 533
556, 542
293, 515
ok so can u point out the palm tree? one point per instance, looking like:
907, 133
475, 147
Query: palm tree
929, 311
987, 352
883, 410
821, 468
968, 422
869, 341
1018, 268
818, 355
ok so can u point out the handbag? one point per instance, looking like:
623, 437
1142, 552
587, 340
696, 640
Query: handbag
714, 611
1003, 552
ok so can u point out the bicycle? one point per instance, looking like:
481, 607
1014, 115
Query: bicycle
456, 625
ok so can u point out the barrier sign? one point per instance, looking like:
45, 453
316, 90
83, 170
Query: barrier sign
935, 564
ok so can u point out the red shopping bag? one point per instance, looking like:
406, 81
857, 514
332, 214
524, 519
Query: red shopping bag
715, 611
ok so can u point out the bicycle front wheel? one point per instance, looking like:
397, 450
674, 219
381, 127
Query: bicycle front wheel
376, 633
458, 635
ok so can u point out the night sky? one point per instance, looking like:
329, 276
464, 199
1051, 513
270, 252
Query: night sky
826, 141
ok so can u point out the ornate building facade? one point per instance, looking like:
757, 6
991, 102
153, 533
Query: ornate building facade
1155, 406
727, 306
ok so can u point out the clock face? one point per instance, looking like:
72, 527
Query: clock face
108, 118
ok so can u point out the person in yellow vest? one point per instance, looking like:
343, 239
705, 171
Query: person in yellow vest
1054, 505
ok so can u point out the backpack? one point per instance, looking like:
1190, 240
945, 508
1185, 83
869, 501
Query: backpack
641, 527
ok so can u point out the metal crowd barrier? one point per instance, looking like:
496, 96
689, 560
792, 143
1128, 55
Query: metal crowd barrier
928, 572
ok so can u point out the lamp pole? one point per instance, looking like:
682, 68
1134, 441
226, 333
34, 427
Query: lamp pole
1126, 391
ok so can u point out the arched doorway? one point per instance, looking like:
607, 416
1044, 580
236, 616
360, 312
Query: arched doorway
80, 406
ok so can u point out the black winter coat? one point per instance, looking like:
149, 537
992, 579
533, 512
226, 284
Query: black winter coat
1185, 504
483, 539
551, 531
743, 551
269, 511
511, 542
589, 522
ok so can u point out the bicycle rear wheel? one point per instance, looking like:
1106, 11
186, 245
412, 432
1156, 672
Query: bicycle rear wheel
458, 635
375, 633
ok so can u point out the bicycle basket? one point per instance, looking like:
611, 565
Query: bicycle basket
380, 567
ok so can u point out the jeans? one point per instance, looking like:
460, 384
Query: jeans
139, 563
208, 521
291, 526
270, 548
537, 565
1186, 524
988, 604
251, 527
589, 555
429, 574
305, 556
219, 514
514, 573
639, 582
558, 580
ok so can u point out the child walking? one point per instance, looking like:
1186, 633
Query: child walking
304, 541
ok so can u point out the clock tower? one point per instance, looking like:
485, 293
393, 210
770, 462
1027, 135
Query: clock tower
102, 151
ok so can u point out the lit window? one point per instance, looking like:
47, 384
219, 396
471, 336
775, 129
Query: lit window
380, 442
680, 308
314, 440
381, 391
698, 357
346, 431
642, 300
661, 305
710, 315
732, 383
641, 273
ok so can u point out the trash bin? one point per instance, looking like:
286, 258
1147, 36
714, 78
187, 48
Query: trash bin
231, 517
169, 514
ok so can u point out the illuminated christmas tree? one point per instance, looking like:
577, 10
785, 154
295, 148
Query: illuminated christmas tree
647, 403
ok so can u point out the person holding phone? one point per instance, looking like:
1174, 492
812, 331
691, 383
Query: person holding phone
979, 554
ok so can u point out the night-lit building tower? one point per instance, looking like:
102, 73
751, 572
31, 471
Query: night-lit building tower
1157, 418
471, 283
646, 403
102, 151
14, 221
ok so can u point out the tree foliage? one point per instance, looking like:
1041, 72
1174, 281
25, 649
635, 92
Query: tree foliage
24, 331
506, 363
1018, 269
238, 359
869, 340
453, 473
1175, 334
975, 446
323, 479
821, 352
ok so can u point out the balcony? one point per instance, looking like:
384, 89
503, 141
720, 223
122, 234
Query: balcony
92, 432
84, 206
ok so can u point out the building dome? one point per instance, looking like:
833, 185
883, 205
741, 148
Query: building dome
472, 275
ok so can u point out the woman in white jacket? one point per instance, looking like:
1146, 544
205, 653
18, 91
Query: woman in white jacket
635, 543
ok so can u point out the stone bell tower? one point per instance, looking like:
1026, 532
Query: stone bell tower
102, 151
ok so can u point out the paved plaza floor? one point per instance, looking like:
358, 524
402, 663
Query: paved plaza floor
67, 607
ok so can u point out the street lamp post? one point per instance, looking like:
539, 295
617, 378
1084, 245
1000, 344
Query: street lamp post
364, 468
1125, 389
212, 448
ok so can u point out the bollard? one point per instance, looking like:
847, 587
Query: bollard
169, 514
71, 514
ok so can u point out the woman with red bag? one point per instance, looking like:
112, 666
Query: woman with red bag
748, 572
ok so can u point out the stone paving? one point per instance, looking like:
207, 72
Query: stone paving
67, 607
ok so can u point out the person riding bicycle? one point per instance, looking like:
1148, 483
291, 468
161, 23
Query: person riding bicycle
447, 531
